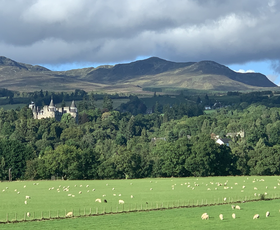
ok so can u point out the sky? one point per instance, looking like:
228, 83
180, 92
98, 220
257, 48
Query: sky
68, 34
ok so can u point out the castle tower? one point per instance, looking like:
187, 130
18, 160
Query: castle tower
51, 106
73, 108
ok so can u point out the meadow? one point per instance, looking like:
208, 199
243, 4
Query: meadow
52, 199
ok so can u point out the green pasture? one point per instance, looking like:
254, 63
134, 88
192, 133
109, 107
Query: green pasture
183, 218
50, 199
12, 106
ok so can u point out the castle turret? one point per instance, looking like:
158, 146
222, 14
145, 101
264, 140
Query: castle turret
51, 106
73, 108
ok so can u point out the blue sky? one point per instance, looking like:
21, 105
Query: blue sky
69, 34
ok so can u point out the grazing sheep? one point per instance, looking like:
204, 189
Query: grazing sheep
237, 207
233, 215
28, 214
81, 186
25, 201
93, 189
120, 194
151, 189
225, 199
69, 194
24, 186
205, 216
221, 216
267, 214
87, 186
69, 214
131, 196
103, 195
98, 200
121, 202
80, 192
243, 186
255, 188
114, 194
27, 197
232, 207
256, 216
73, 195
105, 201
113, 188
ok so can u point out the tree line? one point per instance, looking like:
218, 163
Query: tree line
174, 140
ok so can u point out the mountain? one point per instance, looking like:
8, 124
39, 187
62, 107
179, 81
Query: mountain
130, 77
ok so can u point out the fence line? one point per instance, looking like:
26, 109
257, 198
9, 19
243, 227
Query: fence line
47, 215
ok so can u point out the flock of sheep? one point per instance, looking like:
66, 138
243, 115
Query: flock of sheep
205, 216
192, 185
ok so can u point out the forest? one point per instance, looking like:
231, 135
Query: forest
174, 140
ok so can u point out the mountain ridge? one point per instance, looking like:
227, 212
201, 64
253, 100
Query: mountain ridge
150, 72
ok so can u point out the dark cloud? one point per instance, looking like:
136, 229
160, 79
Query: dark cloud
58, 32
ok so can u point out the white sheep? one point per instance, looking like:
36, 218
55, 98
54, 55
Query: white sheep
233, 215
80, 192
232, 206
87, 186
98, 200
69, 214
256, 216
225, 199
25, 202
205, 216
267, 214
27, 197
131, 196
237, 207
121, 202
221, 216
28, 214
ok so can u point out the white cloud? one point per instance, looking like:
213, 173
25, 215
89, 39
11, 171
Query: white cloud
244, 71
58, 32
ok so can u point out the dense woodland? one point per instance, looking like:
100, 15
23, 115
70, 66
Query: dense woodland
172, 141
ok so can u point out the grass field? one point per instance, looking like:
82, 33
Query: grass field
184, 218
13, 106
49, 199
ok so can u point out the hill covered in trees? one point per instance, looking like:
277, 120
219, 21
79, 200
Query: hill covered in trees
174, 140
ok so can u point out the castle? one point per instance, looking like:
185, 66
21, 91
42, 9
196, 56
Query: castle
50, 111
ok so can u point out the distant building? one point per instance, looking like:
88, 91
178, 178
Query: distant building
50, 111
223, 141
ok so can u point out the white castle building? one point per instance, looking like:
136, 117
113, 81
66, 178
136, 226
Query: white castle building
50, 111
